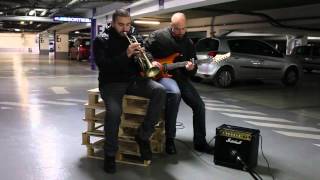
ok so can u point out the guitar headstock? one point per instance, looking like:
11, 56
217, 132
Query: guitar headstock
220, 57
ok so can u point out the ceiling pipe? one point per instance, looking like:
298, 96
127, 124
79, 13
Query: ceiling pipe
71, 4
268, 18
74, 4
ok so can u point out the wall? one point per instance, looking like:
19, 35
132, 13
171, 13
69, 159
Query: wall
19, 42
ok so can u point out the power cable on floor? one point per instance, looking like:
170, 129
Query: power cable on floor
269, 169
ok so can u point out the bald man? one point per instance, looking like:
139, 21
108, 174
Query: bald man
163, 43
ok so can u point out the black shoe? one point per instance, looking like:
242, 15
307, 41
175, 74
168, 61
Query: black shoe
170, 147
110, 164
205, 148
144, 146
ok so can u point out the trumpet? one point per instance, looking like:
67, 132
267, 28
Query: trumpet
149, 70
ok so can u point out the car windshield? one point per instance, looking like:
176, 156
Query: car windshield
207, 44
86, 43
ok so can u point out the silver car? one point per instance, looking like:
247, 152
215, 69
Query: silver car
247, 59
308, 55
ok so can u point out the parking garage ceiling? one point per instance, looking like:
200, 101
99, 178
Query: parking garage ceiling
79, 8
12, 10
238, 6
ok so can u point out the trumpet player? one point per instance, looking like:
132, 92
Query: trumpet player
119, 74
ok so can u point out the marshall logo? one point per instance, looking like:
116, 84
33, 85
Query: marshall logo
229, 140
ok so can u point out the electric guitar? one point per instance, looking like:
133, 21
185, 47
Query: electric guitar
169, 64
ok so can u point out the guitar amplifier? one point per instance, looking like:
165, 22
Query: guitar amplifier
230, 139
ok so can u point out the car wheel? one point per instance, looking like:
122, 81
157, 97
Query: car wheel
290, 77
224, 78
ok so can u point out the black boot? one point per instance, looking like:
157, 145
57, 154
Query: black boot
204, 147
110, 164
170, 146
145, 149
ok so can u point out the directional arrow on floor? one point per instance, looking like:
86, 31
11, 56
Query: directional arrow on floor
59, 90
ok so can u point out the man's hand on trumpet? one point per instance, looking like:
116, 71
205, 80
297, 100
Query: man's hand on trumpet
134, 49
157, 64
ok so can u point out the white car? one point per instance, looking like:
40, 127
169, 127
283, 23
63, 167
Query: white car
248, 59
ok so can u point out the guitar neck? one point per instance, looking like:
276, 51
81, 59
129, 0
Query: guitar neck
216, 59
181, 64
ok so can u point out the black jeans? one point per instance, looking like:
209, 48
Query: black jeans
112, 94
192, 98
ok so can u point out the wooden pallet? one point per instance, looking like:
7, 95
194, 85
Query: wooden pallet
134, 111
128, 153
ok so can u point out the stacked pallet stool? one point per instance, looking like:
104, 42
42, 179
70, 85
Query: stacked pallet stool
134, 111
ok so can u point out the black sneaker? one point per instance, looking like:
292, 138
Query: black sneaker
170, 146
145, 149
110, 164
205, 148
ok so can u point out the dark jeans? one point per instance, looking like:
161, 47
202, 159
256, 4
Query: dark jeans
172, 105
192, 98
112, 94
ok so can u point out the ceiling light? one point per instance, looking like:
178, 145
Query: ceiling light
21, 22
313, 38
38, 25
76, 32
147, 22
32, 12
1, 13
17, 30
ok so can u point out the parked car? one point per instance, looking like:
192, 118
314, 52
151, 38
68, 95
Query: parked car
309, 56
249, 59
80, 49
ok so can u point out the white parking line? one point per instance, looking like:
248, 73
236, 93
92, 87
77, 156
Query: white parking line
235, 111
299, 135
282, 126
59, 90
262, 118
317, 145
223, 105
5, 108
57, 103
18, 104
74, 100
212, 101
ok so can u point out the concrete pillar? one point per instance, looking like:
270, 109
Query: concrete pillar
44, 43
93, 34
61, 46
293, 41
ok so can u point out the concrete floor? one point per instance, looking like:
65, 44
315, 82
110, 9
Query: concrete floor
41, 107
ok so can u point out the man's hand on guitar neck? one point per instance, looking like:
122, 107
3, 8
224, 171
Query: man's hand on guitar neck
189, 66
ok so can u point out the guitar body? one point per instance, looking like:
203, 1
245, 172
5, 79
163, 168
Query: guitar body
167, 60
169, 63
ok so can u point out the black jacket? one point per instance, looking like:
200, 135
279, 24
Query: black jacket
110, 55
161, 44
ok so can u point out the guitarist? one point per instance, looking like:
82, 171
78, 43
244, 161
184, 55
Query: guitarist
163, 43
